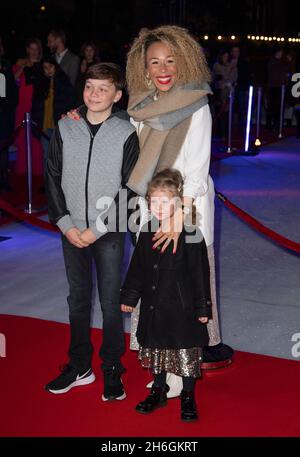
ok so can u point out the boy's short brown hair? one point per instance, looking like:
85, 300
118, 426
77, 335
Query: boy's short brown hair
107, 70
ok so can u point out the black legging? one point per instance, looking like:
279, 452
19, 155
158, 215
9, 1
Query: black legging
188, 383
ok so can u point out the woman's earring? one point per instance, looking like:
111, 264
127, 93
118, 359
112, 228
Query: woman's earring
148, 80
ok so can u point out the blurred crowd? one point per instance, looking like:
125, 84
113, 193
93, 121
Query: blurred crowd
48, 84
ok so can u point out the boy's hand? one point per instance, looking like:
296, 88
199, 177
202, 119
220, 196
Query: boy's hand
126, 309
88, 237
203, 320
74, 237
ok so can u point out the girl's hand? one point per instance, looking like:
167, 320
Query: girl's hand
126, 309
73, 114
203, 320
169, 231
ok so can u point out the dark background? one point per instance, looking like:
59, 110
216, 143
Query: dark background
113, 24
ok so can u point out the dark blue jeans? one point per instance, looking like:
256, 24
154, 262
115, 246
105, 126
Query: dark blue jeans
107, 252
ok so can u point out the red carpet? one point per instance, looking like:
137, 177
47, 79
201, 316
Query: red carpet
257, 396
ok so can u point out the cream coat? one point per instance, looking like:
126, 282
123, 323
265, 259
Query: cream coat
193, 162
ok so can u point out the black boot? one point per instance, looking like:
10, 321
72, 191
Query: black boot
218, 356
156, 399
188, 406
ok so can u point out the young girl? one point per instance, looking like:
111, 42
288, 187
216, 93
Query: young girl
175, 299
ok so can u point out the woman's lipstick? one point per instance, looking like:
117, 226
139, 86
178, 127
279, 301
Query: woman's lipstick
164, 79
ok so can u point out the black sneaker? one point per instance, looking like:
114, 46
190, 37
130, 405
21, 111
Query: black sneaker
113, 386
70, 377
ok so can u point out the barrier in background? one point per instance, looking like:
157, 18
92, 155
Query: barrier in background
230, 116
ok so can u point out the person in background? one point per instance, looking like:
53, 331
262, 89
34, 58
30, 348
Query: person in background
8, 104
225, 76
277, 77
244, 80
53, 96
89, 56
26, 72
68, 61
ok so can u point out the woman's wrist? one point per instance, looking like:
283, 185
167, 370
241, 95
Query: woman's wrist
187, 212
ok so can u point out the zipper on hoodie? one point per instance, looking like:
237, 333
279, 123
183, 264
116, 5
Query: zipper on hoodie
87, 181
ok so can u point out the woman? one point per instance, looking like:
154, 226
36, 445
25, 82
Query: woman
225, 76
88, 56
167, 77
26, 72
7, 118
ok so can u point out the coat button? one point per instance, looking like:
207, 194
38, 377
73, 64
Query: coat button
155, 266
152, 307
153, 287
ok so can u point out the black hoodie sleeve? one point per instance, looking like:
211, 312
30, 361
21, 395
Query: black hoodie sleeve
133, 284
57, 207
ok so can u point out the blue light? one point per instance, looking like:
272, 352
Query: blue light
249, 118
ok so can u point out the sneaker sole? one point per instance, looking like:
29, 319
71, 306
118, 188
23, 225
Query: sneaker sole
114, 398
81, 382
189, 420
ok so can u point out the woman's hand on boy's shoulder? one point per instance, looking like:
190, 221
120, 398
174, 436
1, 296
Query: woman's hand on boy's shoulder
73, 115
203, 320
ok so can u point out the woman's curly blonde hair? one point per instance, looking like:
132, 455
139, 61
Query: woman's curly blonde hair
190, 59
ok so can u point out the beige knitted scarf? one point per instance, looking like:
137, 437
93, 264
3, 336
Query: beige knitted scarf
165, 125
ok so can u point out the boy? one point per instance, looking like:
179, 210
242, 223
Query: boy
88, 160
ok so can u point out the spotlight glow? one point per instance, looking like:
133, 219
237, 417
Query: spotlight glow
249, 119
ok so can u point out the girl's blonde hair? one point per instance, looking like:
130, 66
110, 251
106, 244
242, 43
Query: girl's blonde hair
189, 56
168, 179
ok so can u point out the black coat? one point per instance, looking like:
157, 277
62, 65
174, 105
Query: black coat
64, 97
8, 103
174, 292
